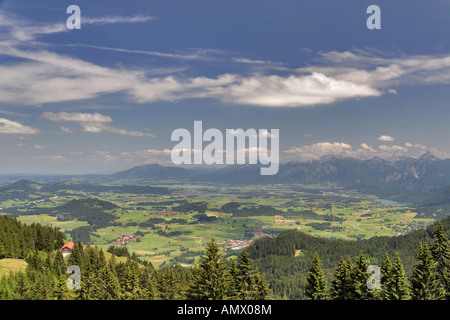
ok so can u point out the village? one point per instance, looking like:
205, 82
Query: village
123, 240
166, 213
251, 234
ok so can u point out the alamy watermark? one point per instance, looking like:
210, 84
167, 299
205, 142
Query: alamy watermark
74, 280
234, 150
374, 280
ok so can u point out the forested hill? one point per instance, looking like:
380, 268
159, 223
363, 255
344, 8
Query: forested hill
17, 239
284, 261
115, 274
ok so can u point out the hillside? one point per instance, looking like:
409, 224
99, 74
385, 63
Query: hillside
438, 198
286, 272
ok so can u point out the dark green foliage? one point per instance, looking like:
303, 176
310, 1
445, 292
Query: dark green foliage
209, 277
316, 287
286, 273
213, 279
342, 285
17, 240
200, 207
425, 283
441, 254
107, 279
396, 286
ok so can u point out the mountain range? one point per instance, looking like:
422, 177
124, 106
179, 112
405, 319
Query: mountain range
406, 179
406, 176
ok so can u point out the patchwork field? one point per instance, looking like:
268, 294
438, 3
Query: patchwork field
174, 227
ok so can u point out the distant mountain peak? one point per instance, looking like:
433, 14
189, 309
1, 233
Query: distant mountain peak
428, 156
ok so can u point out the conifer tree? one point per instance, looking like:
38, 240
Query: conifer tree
210, 276
359, 277
399, 286
262, 289
169, 285
234, 281
342, 285
246, 276
425, 284
441, 254
316, 287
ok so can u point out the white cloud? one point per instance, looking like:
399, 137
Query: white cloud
75, 116
9, 126
65, 129
382, 71
385, 138
365, 151
45, 77
393, 148
293, 91
415, 145
100, 127
48, 77
367, 147
26, 30
317, 150
91, 122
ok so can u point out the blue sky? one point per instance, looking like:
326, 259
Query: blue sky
108, 96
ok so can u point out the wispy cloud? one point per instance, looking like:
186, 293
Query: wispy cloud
380, 70
23, 30
91, 122
76, 116
43, 77
9, 126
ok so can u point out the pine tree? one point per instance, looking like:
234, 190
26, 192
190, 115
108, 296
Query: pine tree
425, 284
234, 281
246, 276
359, 277
399, 286
441, 254
245, 282
210, 276
261, 288
386, 269
316, 287
342, 285
169, 285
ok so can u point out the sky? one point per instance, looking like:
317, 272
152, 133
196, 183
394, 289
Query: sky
107, 97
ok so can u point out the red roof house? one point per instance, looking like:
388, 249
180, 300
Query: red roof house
67, 249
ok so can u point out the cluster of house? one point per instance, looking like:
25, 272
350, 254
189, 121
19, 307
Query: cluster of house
123, 240
237, 244
165, 213
414, 225
255, 233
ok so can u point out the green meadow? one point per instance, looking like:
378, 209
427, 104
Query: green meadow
181, 238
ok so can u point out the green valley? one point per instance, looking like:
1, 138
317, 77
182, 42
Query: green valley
171, 224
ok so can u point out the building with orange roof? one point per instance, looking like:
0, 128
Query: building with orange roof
66, 249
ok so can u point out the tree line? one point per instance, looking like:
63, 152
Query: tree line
430, 278
284, 260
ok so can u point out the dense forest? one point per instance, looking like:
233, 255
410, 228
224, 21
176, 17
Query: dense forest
360, 280
116, 274
284, 261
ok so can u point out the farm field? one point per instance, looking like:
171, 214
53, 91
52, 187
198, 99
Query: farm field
173, 228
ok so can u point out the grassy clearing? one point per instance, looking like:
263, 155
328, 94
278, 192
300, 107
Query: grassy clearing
11, 265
